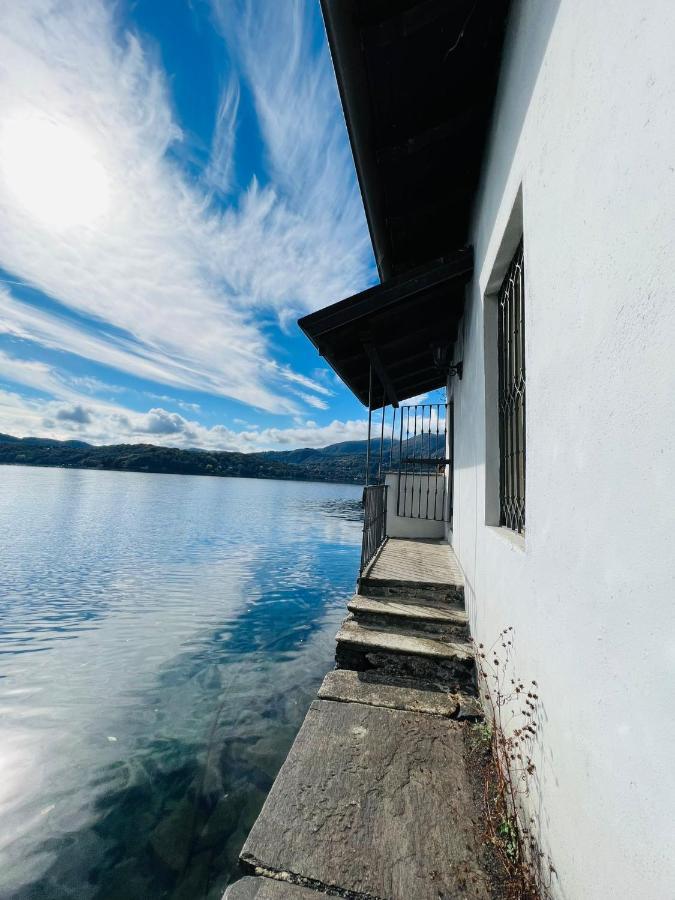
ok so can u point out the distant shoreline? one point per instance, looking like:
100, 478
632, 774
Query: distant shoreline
335, 464
306, 480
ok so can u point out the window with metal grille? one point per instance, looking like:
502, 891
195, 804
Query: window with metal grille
511, 344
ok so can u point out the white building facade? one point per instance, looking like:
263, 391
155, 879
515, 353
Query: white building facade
580, 166
517, 165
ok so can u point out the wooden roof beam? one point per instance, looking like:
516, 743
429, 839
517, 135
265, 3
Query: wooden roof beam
381, 372
454, 127
402, 24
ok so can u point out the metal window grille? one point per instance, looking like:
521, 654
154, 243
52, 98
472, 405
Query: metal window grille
511, 344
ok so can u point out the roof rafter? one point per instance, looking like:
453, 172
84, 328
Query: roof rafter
381, 372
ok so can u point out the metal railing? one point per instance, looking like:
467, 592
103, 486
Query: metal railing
374, 521
424, 455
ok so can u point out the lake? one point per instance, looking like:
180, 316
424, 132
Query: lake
161, 638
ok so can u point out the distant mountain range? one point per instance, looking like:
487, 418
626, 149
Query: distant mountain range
344, 462
339, 462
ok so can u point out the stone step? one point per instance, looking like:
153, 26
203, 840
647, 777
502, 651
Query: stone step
414, 568
391, 692
413, 590
375, 803
424, 615
249, 888
406, 652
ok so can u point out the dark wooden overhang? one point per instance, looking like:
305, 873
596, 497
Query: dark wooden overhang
417, 80
394, 327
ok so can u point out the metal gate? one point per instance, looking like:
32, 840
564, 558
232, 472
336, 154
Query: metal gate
425, 451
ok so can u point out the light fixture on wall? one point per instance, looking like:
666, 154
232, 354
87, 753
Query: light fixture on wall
440, 353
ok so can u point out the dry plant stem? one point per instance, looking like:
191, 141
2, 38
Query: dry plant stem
512, 710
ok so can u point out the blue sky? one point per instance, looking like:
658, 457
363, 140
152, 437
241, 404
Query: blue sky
176, 188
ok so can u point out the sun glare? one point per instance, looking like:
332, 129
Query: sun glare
53, 172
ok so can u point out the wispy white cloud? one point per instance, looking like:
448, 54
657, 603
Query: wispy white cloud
174, 280
182, 404
219, 173
122, 352
67, 409
107, 423
37, 376
313, 211
295, 378
94, 385
311, 400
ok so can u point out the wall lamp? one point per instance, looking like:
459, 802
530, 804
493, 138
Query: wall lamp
440, 354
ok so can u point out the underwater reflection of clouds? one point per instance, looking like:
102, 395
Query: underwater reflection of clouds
183, 626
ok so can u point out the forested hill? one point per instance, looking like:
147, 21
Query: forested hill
343, 462
328, 464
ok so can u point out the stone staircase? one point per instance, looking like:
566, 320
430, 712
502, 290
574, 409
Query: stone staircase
407, 625
378, 798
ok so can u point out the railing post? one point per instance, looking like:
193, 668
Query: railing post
391, 446
384, 513
370, 417
379, 466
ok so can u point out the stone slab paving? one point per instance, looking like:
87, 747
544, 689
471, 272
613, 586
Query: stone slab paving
429, 611
416, 562
346, 686
401, 640
250, 888
375, 803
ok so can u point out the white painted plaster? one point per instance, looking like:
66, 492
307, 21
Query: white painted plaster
429, 489
584, 122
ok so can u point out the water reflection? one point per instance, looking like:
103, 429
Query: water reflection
161, 639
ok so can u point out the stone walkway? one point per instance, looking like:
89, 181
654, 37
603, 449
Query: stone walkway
376, 800
411, 563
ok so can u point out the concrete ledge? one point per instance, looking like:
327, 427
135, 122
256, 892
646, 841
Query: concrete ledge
402, 640
430, 611
250, 888
345, 686
374, 803
514, 540
417, 562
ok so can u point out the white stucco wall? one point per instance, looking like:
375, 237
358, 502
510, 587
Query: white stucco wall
427, 490
585, 123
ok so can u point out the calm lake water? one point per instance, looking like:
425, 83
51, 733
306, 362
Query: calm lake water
161, 638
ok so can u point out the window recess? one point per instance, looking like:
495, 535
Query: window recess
511, 349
